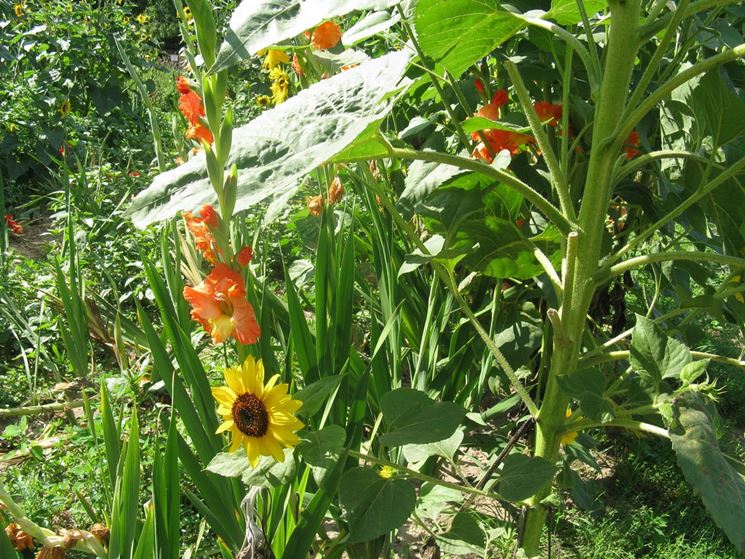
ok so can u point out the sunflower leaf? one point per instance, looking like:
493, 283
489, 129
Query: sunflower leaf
374, 505
276, 150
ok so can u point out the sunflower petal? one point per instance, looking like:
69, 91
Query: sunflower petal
233, 380
224, 395
225, 426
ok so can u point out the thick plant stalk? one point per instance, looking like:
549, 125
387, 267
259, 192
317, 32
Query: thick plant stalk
622, 47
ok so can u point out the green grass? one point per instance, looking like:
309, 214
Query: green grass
649, 510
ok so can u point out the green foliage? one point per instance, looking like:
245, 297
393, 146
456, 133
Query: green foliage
374, 505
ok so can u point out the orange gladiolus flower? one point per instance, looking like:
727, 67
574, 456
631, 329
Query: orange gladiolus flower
199, 133
13, 225
548, 111
209, 216
203, 237
491, 109
219, 305
631, 144
190, 105
326, 36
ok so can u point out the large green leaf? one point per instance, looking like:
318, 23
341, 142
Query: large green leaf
721, 108
655, 356
374, 505
274, 151
257, 24
522, 476
457, 33
721, 487
413, 418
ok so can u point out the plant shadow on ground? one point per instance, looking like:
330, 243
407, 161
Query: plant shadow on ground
646, 509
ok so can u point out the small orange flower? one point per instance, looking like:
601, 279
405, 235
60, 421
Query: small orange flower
548, 112
245, 255
491, 109
479, 87
315, 204
219, 305
631, 144
203, 237
13, 225
326, 36
336, 190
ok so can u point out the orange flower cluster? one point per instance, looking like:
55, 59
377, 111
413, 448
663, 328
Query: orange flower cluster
190, 105
219, 304
326, 36
201, 229
13, 225
630, 146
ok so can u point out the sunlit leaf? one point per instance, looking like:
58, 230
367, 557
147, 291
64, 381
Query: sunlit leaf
274, 151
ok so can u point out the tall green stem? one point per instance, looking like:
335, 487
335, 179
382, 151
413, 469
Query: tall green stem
619, 62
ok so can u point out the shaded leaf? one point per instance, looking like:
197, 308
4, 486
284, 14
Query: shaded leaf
721, 487
374, 505
522, 476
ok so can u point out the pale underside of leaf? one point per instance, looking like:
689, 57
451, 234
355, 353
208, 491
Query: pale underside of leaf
274, 151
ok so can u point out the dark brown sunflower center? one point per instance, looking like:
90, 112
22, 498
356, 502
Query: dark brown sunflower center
249, 415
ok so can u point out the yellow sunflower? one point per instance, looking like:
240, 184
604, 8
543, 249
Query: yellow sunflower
263, 101
274, 57
261, 418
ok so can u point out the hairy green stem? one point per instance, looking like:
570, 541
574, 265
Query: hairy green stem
638, 261
650, 102
619, 62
